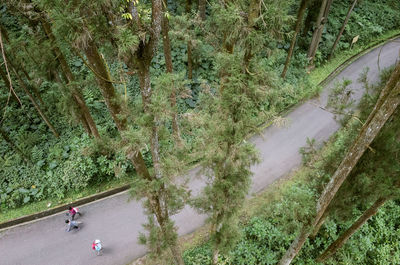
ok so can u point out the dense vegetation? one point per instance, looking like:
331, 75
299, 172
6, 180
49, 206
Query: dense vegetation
270, 227
94, 91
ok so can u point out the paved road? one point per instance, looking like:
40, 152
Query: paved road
117, 222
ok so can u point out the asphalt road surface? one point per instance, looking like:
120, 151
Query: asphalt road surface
117, 221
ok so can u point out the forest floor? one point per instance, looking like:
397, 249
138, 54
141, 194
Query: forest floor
117, 221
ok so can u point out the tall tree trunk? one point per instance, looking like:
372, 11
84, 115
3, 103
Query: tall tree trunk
39, 110
321, 21
169, 66
342, 29
8, 85
85, 116
338, 243
300, 14
189, 59
21, 67
82, 118
107, 88
311, 17
115, 109
253, 14
143, 57
387, 103
319, 224
295, 247
33, 86
188, 6
13, 146
215, 256
202, 9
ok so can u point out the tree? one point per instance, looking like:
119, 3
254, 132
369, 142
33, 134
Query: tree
22, 84
320, 24
312, 14
387, 103
342, 29
35, 18
169, 68
227, 117
84, 113
300, 14
202, 9
338, 243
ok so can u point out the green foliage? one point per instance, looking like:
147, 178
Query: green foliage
275, 223
210, 120
368, 19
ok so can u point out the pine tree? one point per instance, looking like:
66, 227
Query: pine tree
169, 69
299, 20
228, 117
319, 28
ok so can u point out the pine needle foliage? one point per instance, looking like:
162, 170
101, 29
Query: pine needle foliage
228, 116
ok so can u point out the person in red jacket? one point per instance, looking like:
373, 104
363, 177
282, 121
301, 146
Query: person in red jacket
72, 211
96, 246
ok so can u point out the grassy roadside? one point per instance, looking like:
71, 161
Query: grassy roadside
52, 202
316, 76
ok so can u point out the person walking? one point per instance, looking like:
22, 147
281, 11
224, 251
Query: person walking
72, 225
96, 246
72, 211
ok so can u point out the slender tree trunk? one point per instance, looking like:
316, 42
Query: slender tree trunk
188, 6
295, 247
146, 91
388, 102
169, 66
338, 243
311, 17
82, 118
321, 21
21, 67
215, 256
7, 83
13, 146
319, 224
254, 12
176, 253
143, 57
39, 110
300, 14
202, 9
189, 59
111, 99
33, 86
342, 29
107, 88
86, 117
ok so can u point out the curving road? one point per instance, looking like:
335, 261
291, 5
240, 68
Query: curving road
117, 221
